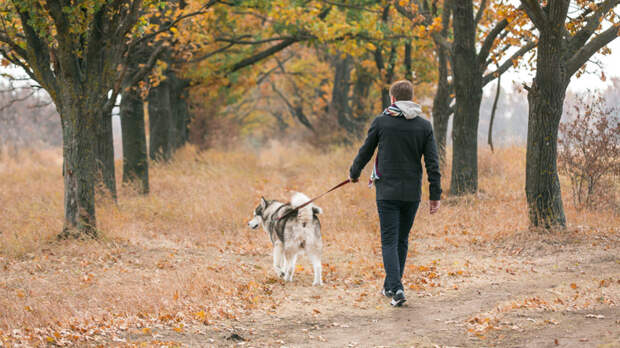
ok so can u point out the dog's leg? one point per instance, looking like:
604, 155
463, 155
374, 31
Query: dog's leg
278, 260
291, 259
315, 258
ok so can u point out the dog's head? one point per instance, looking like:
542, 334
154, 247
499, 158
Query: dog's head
258, 213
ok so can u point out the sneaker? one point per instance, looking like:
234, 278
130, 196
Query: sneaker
387, 293
398, 299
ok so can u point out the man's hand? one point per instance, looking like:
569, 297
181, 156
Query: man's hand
353, 180
434, 206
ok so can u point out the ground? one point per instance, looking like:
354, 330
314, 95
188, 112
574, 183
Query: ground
180, 268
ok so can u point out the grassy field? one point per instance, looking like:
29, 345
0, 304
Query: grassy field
179, 267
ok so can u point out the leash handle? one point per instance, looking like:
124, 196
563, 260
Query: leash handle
317, 197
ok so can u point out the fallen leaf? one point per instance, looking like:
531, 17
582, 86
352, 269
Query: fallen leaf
595, 316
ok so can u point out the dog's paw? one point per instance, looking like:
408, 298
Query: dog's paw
320, 283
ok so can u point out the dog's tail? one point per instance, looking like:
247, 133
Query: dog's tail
306, 213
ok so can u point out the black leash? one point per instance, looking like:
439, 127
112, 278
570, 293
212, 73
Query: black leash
315, 198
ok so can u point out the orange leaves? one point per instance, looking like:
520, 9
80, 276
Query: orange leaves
178, 328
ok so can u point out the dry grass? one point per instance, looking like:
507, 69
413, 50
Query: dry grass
184, 254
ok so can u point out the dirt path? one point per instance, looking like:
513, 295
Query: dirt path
546, 296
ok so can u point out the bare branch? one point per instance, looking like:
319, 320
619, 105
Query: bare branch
17, 100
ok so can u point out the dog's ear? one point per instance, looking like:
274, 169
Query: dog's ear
316, 210
263, 202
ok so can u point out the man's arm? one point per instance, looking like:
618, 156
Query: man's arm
431, 161
365, 153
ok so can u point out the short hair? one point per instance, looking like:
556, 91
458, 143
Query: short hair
402, 90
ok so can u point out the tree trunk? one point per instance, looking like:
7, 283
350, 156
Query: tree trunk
389, 75
161, 126
407, 61
441, 104
360, 108
468, 92
79, 136
104, 154
441, 118
546, 99
135, 161
339, 106
180, 110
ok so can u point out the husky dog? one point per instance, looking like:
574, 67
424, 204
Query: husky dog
292, 232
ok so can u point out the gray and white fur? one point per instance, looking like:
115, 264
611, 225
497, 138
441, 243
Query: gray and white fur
292, 233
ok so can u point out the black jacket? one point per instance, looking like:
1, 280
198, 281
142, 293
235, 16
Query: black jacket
402, 143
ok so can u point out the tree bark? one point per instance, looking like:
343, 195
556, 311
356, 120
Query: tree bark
546, 100
493, 110
339, 106
468, 93
407, 61
360, 108
161, 127
135, 161
389, 74
179, 108
441, 104
79, 136
542, 184
104, 154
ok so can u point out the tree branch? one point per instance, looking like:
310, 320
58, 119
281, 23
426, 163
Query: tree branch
587, 51
535, 12
507, 63
485, 49
483, 5
240, 41
441, 41
350, 6
263, 54
592, 23
38, 57
148, 67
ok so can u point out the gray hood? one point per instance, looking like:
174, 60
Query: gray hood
410, 109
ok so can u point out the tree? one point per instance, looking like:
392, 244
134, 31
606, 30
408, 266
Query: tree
477, 41
565, 44
76, 53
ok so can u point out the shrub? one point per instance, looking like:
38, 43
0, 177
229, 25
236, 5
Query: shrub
589, 151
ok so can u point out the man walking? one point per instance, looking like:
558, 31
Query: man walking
403, 137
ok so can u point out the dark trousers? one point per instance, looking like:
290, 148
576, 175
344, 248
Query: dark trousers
396, 218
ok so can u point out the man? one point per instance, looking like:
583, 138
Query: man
403, 136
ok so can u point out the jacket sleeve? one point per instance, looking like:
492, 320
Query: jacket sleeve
431, 161
366, 151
